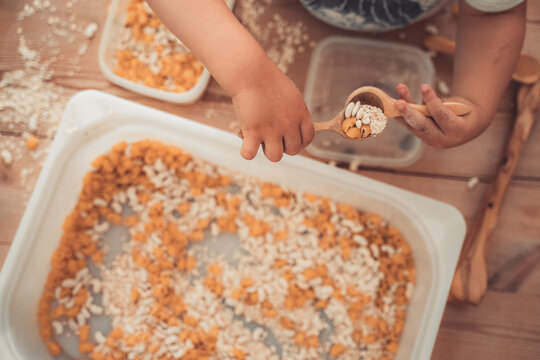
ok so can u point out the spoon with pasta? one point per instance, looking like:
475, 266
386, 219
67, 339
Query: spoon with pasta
366, 112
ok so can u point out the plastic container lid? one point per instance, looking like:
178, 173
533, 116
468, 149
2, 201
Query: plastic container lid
108, 46
93, 122
341, 64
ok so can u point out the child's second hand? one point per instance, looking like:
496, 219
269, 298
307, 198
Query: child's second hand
366, 111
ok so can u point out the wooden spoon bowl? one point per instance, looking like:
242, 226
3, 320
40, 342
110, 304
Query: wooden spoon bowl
527, 70
370, 95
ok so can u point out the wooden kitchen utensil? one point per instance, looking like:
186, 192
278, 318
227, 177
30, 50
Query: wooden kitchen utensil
470, 279
370, 95
527, 69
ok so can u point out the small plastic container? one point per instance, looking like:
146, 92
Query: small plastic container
108, 46
340, 65
93, 122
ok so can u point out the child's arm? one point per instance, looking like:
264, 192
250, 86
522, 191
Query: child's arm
487, 48
266, 101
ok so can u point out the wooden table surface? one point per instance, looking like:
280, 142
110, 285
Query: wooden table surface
506, 325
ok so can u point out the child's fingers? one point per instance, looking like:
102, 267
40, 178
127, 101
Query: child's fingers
250, 146
292, 143
307, 132
421, 126
273, 148
440, 113
404, 93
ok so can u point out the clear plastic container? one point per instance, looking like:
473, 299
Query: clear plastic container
108, 46
93, 122
341, 64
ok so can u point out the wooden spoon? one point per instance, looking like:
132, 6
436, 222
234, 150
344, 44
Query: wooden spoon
527, 69
471, 277
370, 95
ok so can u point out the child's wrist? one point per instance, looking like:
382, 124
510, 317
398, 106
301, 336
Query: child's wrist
255, 71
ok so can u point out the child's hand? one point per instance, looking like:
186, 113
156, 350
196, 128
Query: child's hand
272, 113
445, 129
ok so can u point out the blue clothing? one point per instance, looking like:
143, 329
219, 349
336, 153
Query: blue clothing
384, 15
371, 15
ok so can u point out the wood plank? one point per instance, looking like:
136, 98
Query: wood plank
518, 274
17, 182
531, 45
500, 327
12, 199
533, 12
531, 285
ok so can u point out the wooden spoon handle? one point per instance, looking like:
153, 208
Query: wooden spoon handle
332, 125
323, 125
470, 279
457, 108
440, 44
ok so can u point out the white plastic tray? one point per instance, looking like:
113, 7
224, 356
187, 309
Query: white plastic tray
108, 46
93, 122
